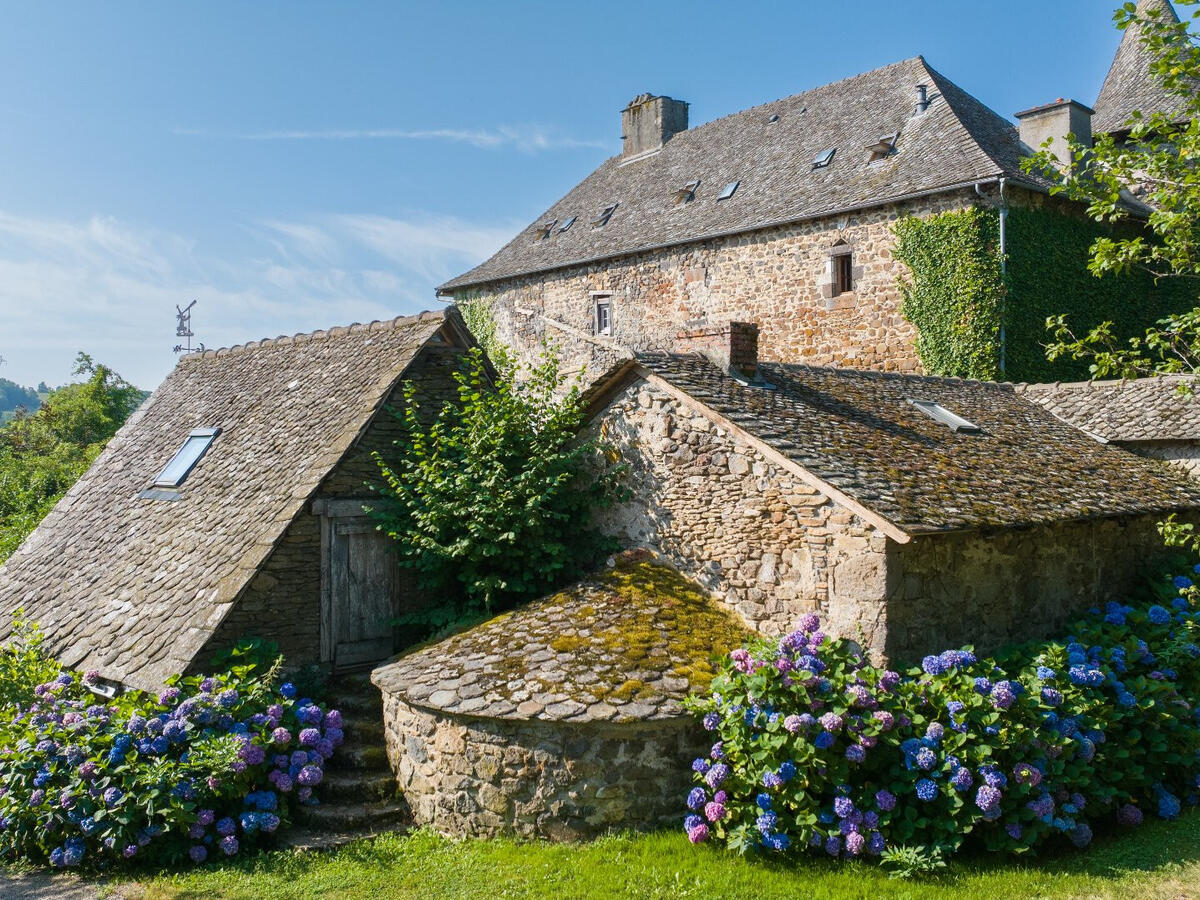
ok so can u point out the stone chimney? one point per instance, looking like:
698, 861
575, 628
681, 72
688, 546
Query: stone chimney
733, 348
1055, 121
648, 122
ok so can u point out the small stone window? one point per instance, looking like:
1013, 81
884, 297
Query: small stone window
841, 258
602, 314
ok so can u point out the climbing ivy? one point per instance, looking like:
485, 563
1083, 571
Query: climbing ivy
476, 311
955, 293
958, 298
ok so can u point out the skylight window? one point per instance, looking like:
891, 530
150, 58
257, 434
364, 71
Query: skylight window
883, 148
687, 193
605, 214
939, 413
824, 158
185, 459
728, 191
545, 228
566, 226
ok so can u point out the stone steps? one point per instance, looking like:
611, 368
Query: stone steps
346, 785
379, 815
368, 757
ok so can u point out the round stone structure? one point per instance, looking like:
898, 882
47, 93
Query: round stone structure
564, 718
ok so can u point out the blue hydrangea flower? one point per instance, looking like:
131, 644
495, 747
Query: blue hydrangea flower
824, 740
925, 759
711, 721
691, 822
778, 842
766, 822
926, 789
787, 770
1045, 673
763, 801
962, 779
1182, 582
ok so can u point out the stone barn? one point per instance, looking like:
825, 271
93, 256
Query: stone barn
914, 513
231, 505
1155, 417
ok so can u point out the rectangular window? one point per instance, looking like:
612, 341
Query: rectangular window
939, 413
843, 274
602, 304
728, 191
186, 457
605, 214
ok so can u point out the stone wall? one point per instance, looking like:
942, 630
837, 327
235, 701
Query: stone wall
283, 601
777, 277
994, 588
1185, 454
768, 544
464, 775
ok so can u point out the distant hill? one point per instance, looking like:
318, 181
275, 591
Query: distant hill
13, 396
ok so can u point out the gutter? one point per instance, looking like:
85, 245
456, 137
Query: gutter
773, 223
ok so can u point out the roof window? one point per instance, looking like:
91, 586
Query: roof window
566, 226
728, 191
883, 148
605, 214
824, 158
774, 118
687, 193
939, 413
545, 228
185, 459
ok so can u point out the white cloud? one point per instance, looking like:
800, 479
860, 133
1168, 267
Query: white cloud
110, 289
526, 138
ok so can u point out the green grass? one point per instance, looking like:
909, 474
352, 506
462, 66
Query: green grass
1159, 860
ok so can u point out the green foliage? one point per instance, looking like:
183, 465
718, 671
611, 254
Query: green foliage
818, 750
476, 311
955, 294
13, 397
24, 662
491, 501
911, 862
43, 453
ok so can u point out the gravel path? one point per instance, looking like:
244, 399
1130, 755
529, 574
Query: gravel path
44, 886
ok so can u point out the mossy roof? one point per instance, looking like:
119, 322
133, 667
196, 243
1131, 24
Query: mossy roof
625, 644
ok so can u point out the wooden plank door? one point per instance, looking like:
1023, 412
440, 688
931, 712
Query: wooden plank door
364, 593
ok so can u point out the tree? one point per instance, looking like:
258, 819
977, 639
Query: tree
1158, 164
491, 500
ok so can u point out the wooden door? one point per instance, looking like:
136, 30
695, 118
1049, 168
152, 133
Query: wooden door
364, 593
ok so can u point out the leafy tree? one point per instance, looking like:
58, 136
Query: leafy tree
1159, 162
43, 453
490, 500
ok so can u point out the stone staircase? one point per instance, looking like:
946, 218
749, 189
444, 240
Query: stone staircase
358, 793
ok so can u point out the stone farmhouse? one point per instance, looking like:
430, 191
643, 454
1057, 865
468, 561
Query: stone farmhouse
780, 215
231, 505
1150, 416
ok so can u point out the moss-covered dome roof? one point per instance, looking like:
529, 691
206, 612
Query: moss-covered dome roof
625, 644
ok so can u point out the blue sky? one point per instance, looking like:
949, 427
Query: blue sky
296, 165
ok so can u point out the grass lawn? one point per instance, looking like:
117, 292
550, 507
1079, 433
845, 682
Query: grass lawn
1161, 859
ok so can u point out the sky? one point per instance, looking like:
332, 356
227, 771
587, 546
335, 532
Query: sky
297, 165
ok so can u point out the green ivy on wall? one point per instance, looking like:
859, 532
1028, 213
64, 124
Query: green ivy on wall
957, 296
476, 311
955, 292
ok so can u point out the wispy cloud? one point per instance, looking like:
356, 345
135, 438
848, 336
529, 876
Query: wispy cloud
526, 138
110, 288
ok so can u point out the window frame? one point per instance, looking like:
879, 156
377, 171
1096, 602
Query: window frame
207, 436
602, 300
841, 260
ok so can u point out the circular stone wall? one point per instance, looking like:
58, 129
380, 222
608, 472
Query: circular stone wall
465, 775
564, 718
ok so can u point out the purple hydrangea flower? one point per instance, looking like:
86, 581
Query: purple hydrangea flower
281, 736
856, 753
831, 722
198, 853
1027, 773
229, 845
1014, 830
935, 732
715, 776
792, 724
1129, 815
925, 759
711, 721
1003, 695
113, 796
310, 776
1081, 835
833, 845
988, 798
843, 807
714, 811
310, 737
889, 680
226, 826
885, 800
696, 798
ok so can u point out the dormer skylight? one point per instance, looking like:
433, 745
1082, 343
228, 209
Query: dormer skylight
185, 459
687, 193
545, 228
883, 148
566, 226
605, 214
824, 158
939, 413
728, 191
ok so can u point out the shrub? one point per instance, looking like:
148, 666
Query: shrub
210, 765
818, 749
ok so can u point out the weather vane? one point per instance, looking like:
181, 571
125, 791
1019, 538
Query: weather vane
184, 328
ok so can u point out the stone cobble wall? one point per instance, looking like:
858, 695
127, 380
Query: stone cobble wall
464, 775
768, 544
777, 277
283, 601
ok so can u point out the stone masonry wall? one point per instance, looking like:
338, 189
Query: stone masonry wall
776, 277
464, 775
994, 588
283, 601
771, 546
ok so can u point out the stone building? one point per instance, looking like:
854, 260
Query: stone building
915, 513
780, 215
231, 505
1150, 416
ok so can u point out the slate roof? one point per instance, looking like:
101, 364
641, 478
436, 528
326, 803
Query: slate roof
626, 644
1129, 86
856, 431
957, 141
133, 587
1146, 409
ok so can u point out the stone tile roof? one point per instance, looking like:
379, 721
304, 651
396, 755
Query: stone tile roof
621, 645
133, 587
1129, 86
1146, 409
857, 431
956, 141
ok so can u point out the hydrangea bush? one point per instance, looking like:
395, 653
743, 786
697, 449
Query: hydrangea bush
207, 767
814, 748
